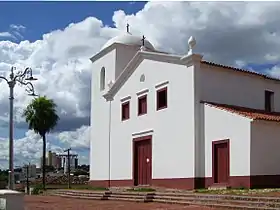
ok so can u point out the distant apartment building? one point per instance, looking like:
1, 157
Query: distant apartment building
73, 163
52, 159
29, 170
61, 161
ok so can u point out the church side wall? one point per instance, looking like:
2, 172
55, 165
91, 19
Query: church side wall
265, 155
223, 125
99, 135
172, 129
230, 87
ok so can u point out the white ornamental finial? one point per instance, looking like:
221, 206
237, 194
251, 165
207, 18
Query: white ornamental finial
110, 83
142, 48
191, 43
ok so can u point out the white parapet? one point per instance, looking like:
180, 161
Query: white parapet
11, 200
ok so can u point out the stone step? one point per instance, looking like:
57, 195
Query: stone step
133, 193
223, 206
121, 194
221, 197
81, 197
110, 196
122, 197
213, 200
108, 192
225, 201
80, 194
127, 196
147, 196
178, 196
128, 199
115, 198
72, 193
83, 192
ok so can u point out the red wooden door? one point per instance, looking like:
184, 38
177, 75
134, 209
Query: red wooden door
221, 163
142, 162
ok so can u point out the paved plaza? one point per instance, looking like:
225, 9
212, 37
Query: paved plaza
57, 203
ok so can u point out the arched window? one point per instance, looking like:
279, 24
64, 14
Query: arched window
102, 79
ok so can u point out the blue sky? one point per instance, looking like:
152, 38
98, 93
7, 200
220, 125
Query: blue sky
42, 17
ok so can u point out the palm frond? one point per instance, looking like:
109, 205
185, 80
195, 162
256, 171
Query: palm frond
41, 115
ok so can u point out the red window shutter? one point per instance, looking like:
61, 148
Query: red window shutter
125, 111
142, 105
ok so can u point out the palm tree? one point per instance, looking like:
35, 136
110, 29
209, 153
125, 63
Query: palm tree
41, 117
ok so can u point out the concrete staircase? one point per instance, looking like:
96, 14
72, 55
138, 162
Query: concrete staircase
107, 195
210, 200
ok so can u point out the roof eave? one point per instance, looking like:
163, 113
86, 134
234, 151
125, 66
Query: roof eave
103, 52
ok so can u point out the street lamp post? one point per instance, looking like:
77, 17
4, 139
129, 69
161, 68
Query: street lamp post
68, 166
22, 78
9, 178
27, 178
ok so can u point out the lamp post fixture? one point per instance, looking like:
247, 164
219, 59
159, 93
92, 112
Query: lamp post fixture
24, 79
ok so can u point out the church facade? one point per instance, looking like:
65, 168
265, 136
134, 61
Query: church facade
179, 121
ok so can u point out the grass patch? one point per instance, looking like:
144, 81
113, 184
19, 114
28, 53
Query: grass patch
95, 188
141, 190
87, 187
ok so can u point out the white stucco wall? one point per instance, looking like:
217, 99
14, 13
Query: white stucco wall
100, 118
229, 87
265, 147
220, 125
124, 54
173, 127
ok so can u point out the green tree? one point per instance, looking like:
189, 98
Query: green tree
41, 117
50, 169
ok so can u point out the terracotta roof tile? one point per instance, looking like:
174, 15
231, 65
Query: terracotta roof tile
254, 114
241, 70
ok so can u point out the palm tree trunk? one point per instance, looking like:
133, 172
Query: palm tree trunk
44, 162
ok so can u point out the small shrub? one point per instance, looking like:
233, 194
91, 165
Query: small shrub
97, 188
37, 189
141, 190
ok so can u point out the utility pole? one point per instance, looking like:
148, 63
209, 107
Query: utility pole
68, 163
27, 177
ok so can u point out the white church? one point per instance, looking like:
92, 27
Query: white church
173, 121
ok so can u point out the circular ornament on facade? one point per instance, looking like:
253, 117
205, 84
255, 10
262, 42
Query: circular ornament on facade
142, 78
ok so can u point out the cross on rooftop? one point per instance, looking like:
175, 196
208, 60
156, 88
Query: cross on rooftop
127, 28
143, 40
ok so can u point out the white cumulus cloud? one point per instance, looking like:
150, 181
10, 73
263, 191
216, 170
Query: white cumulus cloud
6, 34
14, 32
78, 139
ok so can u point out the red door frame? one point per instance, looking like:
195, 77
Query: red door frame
135, 140
214, 143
